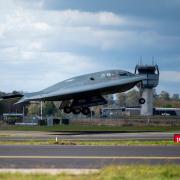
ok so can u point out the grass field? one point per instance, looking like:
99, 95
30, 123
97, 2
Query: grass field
77, 128
133, 172
90, 128
94, 143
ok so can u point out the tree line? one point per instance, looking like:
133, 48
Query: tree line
126, 99
163, 99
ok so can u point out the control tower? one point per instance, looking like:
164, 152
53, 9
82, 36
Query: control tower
151, 73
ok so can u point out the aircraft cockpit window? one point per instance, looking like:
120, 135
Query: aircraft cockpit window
103, 75
108, 75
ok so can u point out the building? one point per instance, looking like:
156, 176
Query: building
136, 111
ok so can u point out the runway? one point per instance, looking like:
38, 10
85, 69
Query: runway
84, 157
43, 136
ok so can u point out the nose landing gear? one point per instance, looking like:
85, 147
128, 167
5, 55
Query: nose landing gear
142, 101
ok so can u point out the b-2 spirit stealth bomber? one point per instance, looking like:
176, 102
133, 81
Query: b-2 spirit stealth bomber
79, 93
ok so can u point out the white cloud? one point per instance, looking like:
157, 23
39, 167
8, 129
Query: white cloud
80, 18
170, 76
38, 46
21, 26
32, 71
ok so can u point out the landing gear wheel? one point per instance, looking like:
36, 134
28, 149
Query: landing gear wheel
85, 111
67, 110
76, 110
142, 101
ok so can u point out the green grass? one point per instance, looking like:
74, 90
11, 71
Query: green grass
125, 143
91, 128
132, 172
93, 143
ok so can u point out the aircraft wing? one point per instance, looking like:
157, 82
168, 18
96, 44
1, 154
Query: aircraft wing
80, 89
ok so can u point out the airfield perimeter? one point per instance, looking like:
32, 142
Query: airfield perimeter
16, 154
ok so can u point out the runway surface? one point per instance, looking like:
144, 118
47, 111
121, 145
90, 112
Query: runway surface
29, 135
84, 157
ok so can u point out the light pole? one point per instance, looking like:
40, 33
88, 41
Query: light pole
41, 110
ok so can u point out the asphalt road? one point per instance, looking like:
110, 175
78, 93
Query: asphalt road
28, 135
84, 157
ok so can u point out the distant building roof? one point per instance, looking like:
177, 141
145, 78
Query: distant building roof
13, 114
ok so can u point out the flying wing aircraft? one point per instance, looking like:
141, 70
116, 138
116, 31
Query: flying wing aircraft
79, 93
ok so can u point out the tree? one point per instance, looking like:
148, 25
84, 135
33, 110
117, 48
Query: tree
155, 95
175, 97
121, 99
49, 108
164, 95
110, 99
133, 98
34, 109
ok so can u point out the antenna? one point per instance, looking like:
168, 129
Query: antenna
140, 61
153, 60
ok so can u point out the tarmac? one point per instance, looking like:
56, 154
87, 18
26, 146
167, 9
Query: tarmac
84, 157
108, 136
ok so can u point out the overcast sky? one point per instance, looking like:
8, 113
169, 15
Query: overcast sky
46, 41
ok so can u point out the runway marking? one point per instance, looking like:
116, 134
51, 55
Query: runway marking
50, 171
93, 157
101, 139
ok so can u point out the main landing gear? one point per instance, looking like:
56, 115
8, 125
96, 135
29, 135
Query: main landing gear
81, 105
77, 110
85, 110
67, 109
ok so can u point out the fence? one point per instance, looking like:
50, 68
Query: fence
130, 121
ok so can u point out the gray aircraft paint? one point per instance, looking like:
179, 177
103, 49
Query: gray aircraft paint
100, 83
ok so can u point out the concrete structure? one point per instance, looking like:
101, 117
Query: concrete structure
147, 107
12, 118
135, 111
50, 121
151, 72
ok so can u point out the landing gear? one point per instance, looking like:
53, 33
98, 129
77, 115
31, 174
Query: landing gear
81, 105
86, 111
76, 110
67, 109
142, 101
